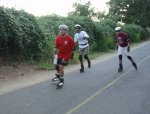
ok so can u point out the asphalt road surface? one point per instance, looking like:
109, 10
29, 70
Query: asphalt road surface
100, 90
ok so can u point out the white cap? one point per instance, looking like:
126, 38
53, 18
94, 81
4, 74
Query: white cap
117, 28
77, 25
63, 27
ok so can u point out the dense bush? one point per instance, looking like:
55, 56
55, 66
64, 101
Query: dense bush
135, 32
102, 34
20, 34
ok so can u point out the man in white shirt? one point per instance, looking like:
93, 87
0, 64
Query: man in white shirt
81, 38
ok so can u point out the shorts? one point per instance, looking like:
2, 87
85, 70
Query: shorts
61, 61
123, 51
84, 51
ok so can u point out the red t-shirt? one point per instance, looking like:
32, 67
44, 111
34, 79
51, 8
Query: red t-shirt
64, 44
122, 39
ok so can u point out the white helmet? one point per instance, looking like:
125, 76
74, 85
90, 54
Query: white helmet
77, 25
63, 27
117, 28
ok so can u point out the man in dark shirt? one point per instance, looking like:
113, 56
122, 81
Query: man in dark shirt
123, 47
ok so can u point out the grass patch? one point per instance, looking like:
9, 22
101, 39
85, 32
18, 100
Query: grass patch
48, 65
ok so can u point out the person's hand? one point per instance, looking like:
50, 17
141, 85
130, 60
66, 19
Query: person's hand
128, 48
84, 38
117, 47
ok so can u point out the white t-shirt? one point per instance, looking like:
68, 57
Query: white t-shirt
79, 37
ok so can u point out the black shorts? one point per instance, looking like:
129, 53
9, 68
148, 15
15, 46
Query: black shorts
62, 62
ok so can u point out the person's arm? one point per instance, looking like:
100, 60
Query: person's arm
86, 36
73, 45
75, 40
54, 55
72, 54
128, 48
55, 50
115, 41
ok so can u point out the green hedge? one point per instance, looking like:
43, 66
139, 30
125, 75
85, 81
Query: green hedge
135, 32
102, 34
20, 34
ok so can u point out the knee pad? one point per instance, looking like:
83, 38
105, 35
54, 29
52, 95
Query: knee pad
120, 57
129, 57
80, 57
85, 57
57, 67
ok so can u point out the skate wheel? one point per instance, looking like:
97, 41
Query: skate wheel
120, 71
59, 86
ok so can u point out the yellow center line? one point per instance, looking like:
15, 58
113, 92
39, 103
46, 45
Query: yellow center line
103, 89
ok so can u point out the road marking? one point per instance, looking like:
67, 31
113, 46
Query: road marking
103, 89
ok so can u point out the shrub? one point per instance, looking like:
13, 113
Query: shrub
103, 33
135, 32
20, 34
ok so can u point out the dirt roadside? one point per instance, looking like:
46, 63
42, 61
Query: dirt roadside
37, 76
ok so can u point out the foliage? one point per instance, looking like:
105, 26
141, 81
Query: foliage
20, 34
103, 35
135, 32
50, 23
101, 15
83, 10
130, 11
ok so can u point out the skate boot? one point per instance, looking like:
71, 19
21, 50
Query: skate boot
60, 84
81, 70
89, 64
120, 69
57, 78
134, 65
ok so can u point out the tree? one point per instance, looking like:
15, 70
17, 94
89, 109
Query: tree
101, 15
130, 11
83, 10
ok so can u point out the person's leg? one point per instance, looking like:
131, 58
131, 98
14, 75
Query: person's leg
86, 52
61, 71
120, 52
88, 60
57, 74
81, 59
81, 63
61, 74
132, 61
120, 69
125, 51
57, 77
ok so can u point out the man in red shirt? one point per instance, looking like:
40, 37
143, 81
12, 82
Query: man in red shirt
64, 46
123, 47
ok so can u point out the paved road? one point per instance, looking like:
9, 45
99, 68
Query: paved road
100, 90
